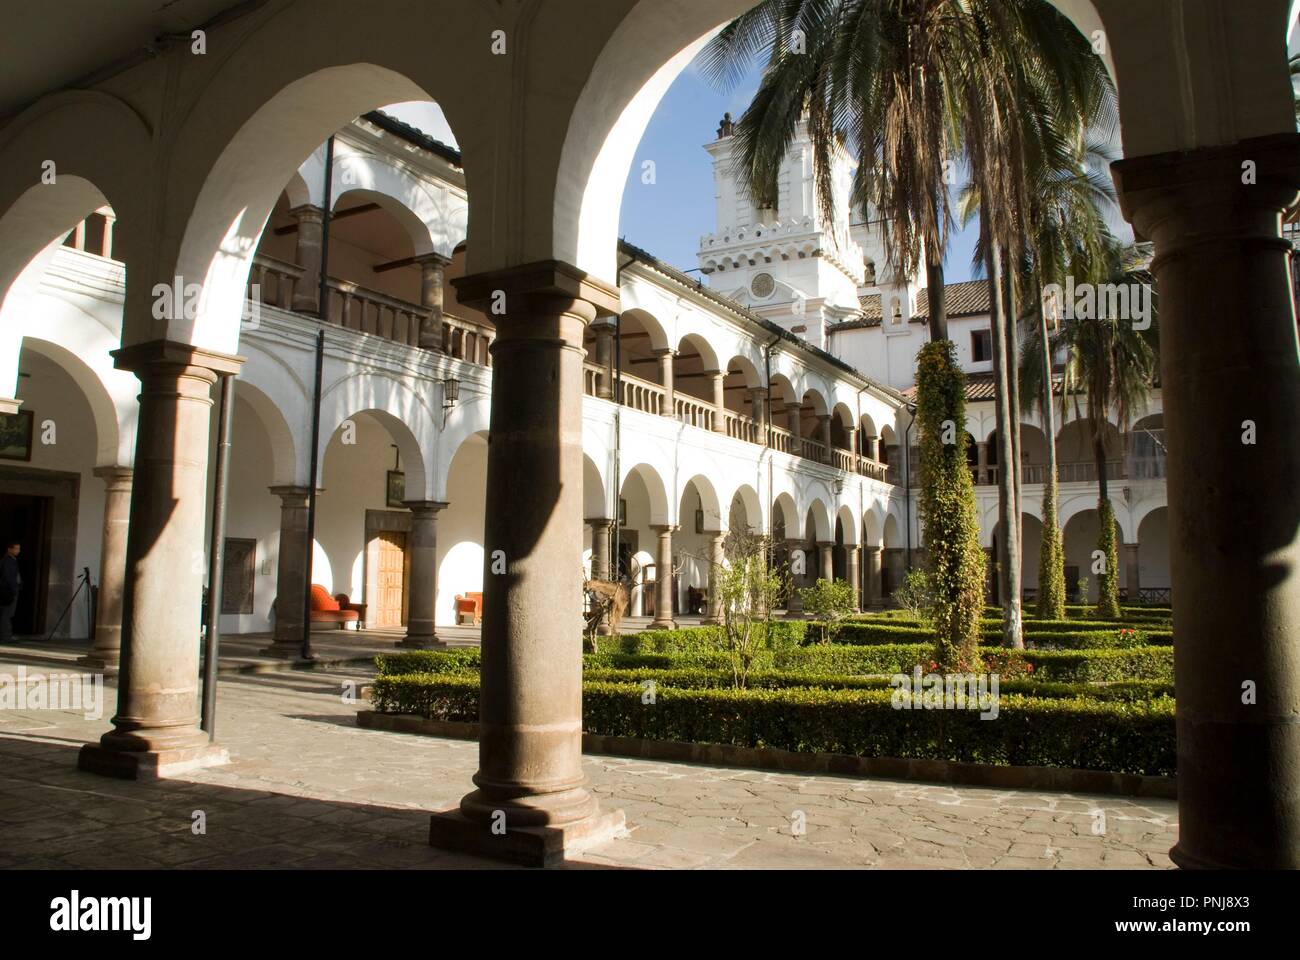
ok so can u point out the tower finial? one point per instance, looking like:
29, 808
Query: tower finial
727, 128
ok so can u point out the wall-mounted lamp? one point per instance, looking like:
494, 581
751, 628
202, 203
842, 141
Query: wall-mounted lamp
450, 392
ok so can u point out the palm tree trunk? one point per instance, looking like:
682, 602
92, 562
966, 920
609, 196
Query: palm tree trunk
938, 297
1011, 308
1008, 507
1051, 560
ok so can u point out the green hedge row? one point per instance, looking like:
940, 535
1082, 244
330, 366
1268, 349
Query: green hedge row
1123, 736
1065, 666
702, 679
1054, 633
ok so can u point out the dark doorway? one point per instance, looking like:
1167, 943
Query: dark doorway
27, 520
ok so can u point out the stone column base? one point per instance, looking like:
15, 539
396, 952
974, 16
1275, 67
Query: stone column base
101, 663
283, 650
528, 846
431, 642
663, 624
150, 764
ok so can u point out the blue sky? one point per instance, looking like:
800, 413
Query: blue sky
668, 217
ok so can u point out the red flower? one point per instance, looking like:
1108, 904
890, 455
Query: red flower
1029, 667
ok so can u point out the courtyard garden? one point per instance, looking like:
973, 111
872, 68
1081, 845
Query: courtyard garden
1085, 694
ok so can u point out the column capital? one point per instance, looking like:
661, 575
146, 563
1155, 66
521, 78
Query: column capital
1162, 193
113, 474
420, 507
662, 352
553, 279
139, 356
600, 523
433, 259
308, 212
291, 492
662, 528
826, 543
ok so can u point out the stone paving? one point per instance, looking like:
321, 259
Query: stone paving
307, 788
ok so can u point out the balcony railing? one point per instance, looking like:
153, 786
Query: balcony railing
649, 398
359, 308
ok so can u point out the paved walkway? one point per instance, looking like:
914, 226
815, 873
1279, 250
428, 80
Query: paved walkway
307, 788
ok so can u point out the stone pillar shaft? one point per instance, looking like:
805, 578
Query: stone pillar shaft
1230, 381
605, 360
293, 572
826, 553
981, 462
106, 652
431, 281
713, 611
825, 434
853, 572
307, 254
794, 606
873, 584
422, 548
666, 378
664, 578
156, 724
719, 402
600, 563
530, 702
1132, 572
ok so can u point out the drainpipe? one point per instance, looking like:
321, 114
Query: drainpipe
217, 557
767, 435
618, 420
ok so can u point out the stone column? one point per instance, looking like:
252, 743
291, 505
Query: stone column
873, 448
600, 565
853, 573
792, 416
853, 448
432, 266
872, 592
422, 605
1132, 573
666, 378
106, 652
605, 360
664, 578
530, 779
156, 725
824, 432
719, 401
306, 292
758, 408
1230, 381
794, 606
981, 462
293, 572
713, 612
826, 553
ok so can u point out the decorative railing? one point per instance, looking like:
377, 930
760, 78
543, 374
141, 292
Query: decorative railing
1147, 468
369, 311
467, 339
693, 412
276, 280
740, 427
650, 398
1087, 472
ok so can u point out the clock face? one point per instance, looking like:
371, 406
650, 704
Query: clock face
763, 286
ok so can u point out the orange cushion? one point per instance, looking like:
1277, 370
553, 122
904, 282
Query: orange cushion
321, 599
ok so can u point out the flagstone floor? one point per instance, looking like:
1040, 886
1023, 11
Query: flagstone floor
307, 788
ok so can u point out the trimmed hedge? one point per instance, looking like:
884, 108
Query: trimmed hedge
1123, 736
705, 640
1066, 666
1051, 633
701, 679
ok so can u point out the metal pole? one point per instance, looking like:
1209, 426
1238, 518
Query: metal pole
217, 557
311, 495
315, 408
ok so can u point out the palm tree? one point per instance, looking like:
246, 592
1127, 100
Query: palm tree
912, 86
1112, 365
1067, 227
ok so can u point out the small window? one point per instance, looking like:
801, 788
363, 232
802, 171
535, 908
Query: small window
981, 345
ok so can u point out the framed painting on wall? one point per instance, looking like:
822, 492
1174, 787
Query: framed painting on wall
16, 435
396, 488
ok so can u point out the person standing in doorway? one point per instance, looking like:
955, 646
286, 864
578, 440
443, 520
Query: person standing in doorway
11, 583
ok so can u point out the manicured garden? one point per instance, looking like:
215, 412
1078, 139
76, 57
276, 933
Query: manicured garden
1085, 694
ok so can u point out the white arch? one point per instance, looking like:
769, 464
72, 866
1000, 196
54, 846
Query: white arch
394, 404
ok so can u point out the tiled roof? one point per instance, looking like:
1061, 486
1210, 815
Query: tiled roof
979, 386
967, 299
414, 135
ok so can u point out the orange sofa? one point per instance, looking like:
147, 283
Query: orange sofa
469, 608
337, 609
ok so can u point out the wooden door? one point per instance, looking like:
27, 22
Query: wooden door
387, 599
